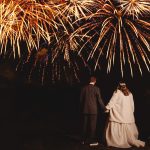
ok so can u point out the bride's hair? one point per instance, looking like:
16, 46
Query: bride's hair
123, 88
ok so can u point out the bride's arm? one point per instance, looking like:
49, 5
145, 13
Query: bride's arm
112, 101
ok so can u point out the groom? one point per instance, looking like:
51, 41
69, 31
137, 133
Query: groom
90, 99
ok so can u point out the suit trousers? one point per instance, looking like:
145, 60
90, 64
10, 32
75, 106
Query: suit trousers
89, 123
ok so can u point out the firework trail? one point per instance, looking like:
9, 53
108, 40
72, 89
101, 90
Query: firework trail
76, 9
60, 58
63, 43
120, 33
118, 36
135, 7
29, 21
24, 21
45, 65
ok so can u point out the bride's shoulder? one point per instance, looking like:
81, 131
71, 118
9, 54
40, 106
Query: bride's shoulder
117, 91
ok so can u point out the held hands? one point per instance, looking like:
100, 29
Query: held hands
106, 110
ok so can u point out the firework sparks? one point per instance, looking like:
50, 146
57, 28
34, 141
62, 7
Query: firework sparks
42, 65
29, 21
64, 58
135, 7
119, 37
60, 58
24, 21
76, 8
119, 33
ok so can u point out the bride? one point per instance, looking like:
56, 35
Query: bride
121, 130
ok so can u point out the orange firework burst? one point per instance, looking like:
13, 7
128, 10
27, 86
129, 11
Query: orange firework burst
135, 7
64, 44
24, 21
118, 36
76, 8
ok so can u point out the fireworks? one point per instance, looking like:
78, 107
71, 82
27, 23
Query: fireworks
119, 37
135, 7
43, 65
60, 58
119, 33
24, 21
76, 9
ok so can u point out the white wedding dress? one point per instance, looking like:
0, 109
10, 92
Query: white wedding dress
121, 130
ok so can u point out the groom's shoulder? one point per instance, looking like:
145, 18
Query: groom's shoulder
84, 87
96, 87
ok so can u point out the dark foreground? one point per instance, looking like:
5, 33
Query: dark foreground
37, 118
46, 135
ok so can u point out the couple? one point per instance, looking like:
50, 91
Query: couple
121, 130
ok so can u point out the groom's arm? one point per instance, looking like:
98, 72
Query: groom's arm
82, 94
100, 100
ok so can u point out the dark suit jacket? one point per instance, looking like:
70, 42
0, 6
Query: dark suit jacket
90, 99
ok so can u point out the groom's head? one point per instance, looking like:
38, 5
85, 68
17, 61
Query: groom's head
93, 79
